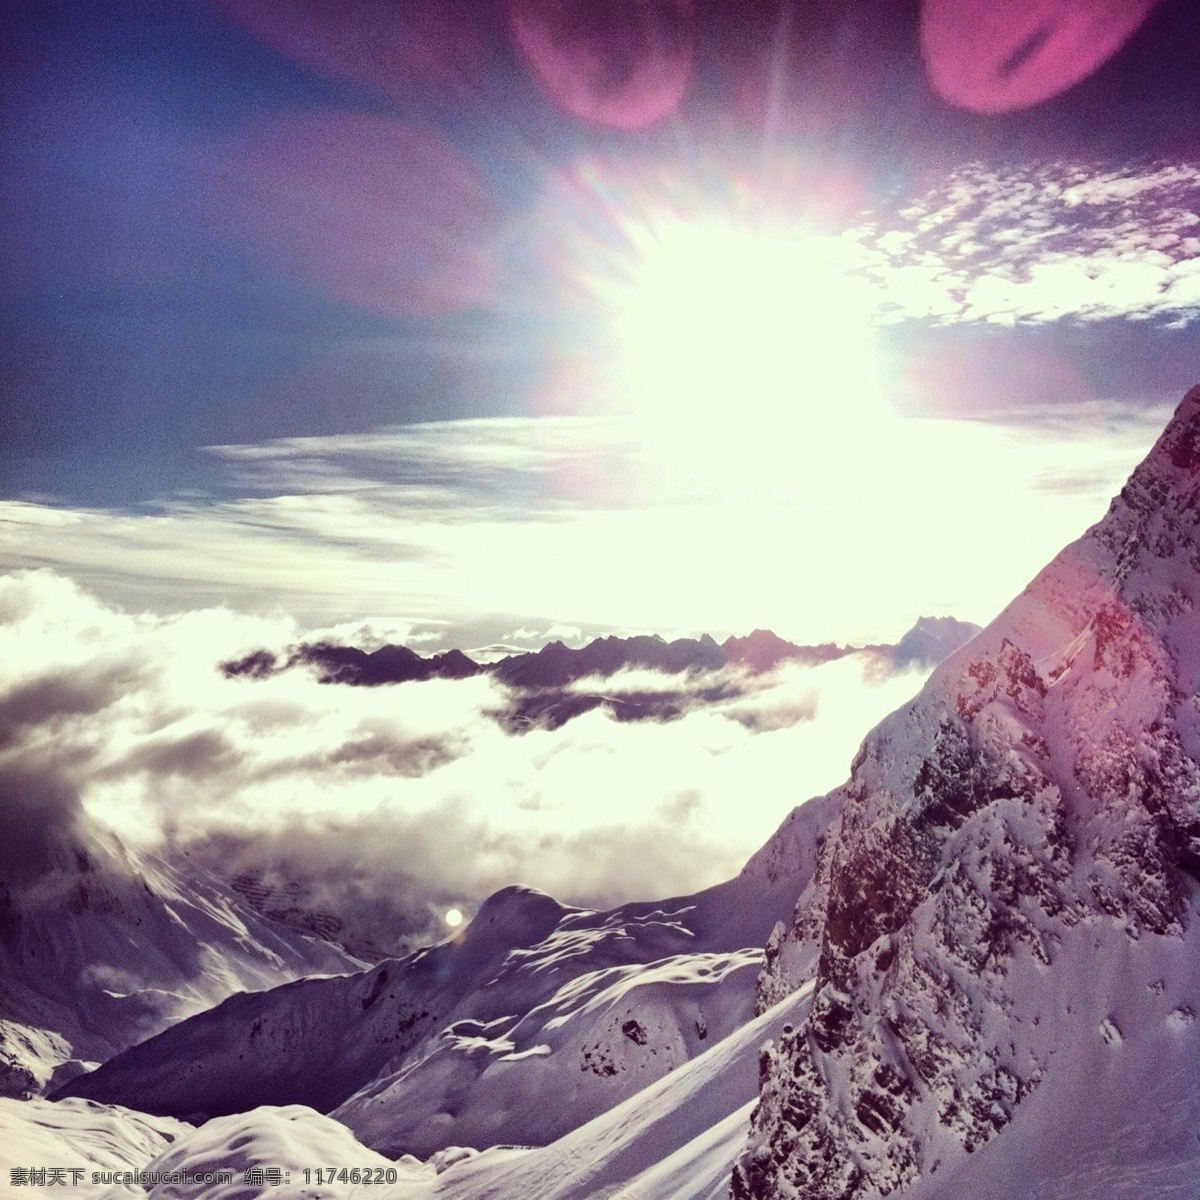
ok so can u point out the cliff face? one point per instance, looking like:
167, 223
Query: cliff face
1040, 795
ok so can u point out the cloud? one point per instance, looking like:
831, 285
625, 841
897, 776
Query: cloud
53, 698
626, 696
201, 755
381, 887
1071, 483
1037, 244
374, 809
378, 888
39, 811
466, 531
444, 468
781, 715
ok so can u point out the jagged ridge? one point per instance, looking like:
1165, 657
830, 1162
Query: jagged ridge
1042, 786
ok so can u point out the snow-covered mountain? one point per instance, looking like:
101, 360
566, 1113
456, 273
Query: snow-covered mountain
556, 665
1003, 918
101, 948
674, 1140
928, 642
988, 986
461, 1042
763, 650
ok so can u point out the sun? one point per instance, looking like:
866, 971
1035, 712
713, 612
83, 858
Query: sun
716, 324
733, 334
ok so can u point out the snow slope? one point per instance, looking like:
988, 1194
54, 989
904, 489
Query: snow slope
1116, 1114
426, 1040
79, 1134
100, 948
600, 1038
672, 1141
675, 1140
1003, 916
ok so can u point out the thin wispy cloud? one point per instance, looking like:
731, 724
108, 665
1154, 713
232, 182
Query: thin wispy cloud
497, 463
418, 529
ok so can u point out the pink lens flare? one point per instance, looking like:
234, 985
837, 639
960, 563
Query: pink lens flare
995, 56
617, 63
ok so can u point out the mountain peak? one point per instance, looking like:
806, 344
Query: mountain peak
1029, 816
931, 640
1180, 441
763, 650
1169, 470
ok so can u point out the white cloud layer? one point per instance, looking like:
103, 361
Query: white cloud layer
385, 804
849, 539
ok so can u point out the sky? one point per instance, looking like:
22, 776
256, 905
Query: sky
464, 325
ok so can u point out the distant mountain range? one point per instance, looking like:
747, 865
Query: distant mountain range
543, 683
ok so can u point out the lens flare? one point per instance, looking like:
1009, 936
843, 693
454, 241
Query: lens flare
993, 56
618, 64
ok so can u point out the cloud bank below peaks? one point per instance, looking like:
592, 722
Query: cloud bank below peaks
368, 811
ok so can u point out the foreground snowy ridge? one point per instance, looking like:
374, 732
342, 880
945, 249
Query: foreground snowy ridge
1017, 846
674, 1140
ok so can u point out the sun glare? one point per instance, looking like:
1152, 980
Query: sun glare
720, 325
743, 358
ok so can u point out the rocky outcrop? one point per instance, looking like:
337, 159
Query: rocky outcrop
1043, 784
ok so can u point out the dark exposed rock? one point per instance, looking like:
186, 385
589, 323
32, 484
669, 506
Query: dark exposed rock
634, 1031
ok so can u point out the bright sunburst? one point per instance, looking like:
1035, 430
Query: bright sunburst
721, 324
740, 336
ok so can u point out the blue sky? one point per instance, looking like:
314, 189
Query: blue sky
161, 296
